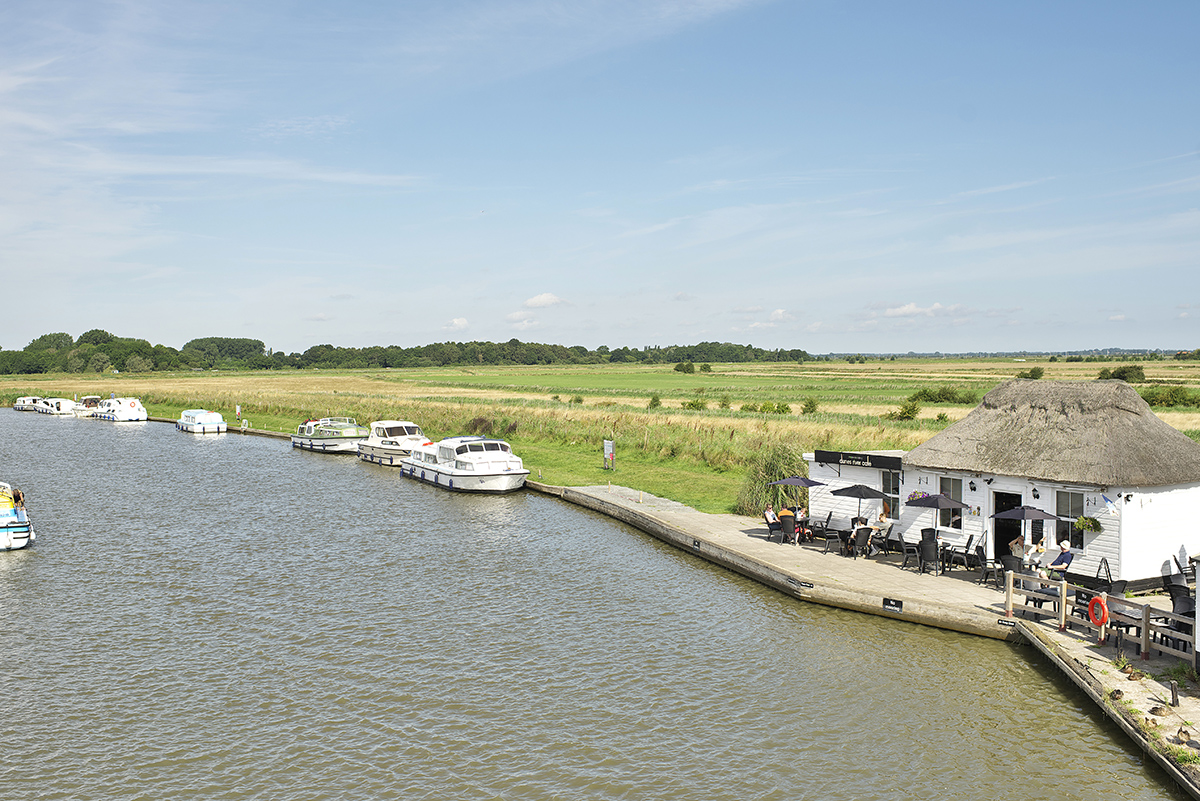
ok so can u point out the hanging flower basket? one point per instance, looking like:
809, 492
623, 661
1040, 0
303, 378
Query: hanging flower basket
1087, 524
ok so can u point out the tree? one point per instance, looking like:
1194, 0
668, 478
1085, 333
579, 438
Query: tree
99, 363
96, 336
58, 341
1130, 373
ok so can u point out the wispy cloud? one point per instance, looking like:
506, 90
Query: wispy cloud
542, 301
457, 324
304, 127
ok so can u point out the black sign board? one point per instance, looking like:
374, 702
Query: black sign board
857, 459
892, 605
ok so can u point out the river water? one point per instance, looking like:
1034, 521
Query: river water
223, 617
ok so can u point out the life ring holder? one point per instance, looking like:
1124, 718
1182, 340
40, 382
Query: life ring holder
1098, 611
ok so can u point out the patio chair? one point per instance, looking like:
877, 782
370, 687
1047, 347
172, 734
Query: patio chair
833, 539
788, 528
957, 555
909, 549
1177, 591
773, 527
927, 556
860, 544
986, 566
822, 529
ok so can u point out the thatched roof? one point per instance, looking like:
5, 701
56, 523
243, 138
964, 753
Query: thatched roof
1077, 432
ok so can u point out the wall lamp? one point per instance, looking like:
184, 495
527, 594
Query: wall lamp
1036, 494
971, 485
1128, 498
988, 480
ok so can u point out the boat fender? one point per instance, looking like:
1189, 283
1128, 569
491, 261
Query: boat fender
1098, 611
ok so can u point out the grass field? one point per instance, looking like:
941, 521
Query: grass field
701, 458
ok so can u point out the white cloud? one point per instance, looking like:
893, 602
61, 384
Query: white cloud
457, 324
1117, 318
913, 310
519, 316
542, 301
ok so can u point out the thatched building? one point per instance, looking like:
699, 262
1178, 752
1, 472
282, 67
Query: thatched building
1089, 449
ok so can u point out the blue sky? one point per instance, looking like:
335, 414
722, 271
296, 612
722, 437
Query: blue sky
853, 176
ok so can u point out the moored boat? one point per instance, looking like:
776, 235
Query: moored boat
26, 404
121, 410
201, 421
390, 441
16, 531
330, 435
467, 464
57, 406
86, 407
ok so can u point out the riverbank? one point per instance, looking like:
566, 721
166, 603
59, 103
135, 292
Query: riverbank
1137, 701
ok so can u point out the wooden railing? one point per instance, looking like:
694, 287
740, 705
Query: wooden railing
1154, 625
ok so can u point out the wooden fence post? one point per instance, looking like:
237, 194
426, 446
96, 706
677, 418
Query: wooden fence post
1062, 605
1008, 582
1146, 631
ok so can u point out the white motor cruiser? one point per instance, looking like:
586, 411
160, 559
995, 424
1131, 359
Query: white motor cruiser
121, 410
201, 421
390, 441
26, 404
330, 435
59, 406
16, 531
467, 464
86, 407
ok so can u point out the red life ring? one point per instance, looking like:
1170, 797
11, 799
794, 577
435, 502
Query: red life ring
1098, 618
132, 404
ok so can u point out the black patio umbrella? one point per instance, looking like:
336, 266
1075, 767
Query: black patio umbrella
1024, 513
859, 491
936, 502
798, 481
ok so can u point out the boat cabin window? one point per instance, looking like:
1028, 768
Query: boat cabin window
414, 431
492, 446
476, 447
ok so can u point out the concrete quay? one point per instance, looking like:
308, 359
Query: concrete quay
1139, 702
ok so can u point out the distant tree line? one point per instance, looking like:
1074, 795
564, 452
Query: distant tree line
98, 351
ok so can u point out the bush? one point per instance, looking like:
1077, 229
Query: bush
907, 411
685, 367
706, 368
810, 406
725, 402
766, 407
698, 404
1130, 373
749, 407
577, 399
782, 408
655, 401
944, 394
1033, 372
1170, 396
770, 462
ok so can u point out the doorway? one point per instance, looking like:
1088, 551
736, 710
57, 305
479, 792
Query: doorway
1004, 531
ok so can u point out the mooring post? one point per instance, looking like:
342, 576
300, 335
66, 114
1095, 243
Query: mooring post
1008, 592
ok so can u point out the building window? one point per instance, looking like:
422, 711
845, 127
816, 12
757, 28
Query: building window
891, 488
951, 518
1070, 507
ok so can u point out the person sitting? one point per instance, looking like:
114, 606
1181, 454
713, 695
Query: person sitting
803, 533
1057, 569
772, 521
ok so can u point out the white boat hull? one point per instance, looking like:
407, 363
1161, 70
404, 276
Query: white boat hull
203, 428
327, 444
16, 535
464, 481
381, 454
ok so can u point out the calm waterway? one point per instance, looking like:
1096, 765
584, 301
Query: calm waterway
224, 617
